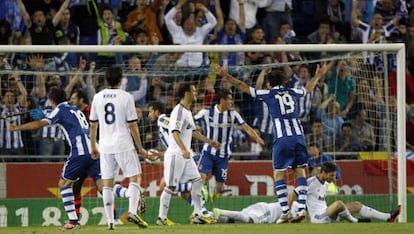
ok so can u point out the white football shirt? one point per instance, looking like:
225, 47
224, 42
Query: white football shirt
181, 120
316, 197
114, 109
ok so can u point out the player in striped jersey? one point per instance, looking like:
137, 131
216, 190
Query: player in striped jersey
179, 167
11, 143
113, 110
289, 147
320, 212
218, 124
76, 129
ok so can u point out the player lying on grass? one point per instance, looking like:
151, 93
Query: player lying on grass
260, 212
320, 212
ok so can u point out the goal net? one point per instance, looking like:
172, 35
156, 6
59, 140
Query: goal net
355, 115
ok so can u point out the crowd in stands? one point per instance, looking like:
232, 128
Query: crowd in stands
343, 114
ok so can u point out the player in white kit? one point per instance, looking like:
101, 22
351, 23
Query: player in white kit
320, 212
114, 110
179, 167
261, 212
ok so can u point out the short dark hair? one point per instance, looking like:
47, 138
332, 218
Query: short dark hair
313, 145
157, 106
277, 77
328, 167
113, 75
222, 94
184, 87
57, 95
82, 95
346, 124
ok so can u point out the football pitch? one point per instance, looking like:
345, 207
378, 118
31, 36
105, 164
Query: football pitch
337, 228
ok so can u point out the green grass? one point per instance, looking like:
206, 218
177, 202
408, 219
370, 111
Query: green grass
337, 228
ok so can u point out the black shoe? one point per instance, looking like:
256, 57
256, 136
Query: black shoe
394, 214
364, 220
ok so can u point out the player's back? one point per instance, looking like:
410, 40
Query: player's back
75, 126
283, 106
263, 212
114, 109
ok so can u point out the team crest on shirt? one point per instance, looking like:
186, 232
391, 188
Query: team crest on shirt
165, 122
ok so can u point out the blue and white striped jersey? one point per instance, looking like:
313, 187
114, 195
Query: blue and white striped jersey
219, 126
283, 105
52, 130
162, 123
75, 127
10, 140
366, 31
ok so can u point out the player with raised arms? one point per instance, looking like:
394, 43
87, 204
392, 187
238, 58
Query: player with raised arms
289, 147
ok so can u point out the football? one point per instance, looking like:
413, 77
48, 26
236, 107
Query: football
152, 152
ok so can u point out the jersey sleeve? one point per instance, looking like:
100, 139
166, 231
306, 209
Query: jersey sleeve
93, 116
238, 119
176, 119
130, 109
258, 93
54, 116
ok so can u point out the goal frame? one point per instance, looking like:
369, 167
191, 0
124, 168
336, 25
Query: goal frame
399, 48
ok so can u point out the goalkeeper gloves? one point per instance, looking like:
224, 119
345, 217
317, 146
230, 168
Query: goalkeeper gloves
37, 114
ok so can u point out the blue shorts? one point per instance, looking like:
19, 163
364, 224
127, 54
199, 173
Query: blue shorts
214, 164
289, 152
76, 167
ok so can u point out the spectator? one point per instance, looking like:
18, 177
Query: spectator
250, 8
137, 82
346, 142
144, 17
331, 118
66, 28
335, 13
11, 13
257, 38
317, 159
363, 131
12, 105
110, 33
85, 15
232, 34
322, 35
278, 12
302, 78
41, 28
342, 85
316, 137
189, 33
375, 32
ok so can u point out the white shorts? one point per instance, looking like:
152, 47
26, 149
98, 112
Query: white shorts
322, 218
178, 169
128, 161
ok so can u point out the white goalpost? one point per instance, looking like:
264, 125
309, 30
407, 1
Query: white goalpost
397, 48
